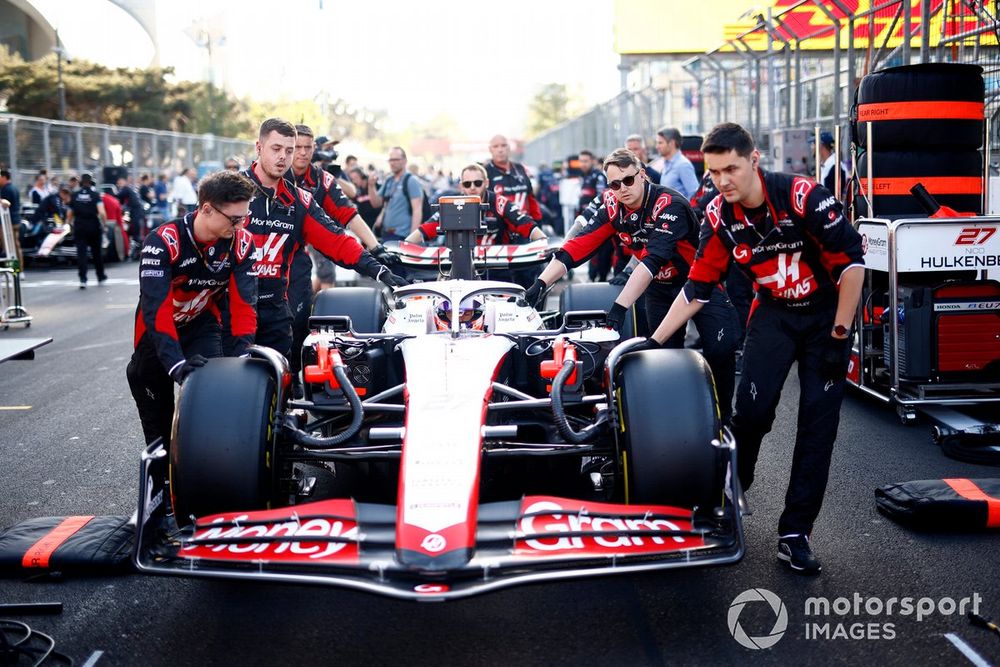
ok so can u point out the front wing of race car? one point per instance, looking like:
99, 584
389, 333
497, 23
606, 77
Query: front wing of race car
351, 544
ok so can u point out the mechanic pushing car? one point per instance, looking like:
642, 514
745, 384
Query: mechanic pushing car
655, 225
327, 193
283, 218
187, 266
790, 236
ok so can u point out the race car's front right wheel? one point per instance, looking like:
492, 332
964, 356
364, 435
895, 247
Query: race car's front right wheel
364, 305
670, 417
221, 455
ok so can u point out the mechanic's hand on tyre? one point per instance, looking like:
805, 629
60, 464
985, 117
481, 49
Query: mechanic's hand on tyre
616, 316
834, 359
648, 344
180, 373
620, 279
390, 279
385, 257
535, 294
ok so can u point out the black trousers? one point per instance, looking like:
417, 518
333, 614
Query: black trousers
740, 292
88, 237
719, 328
274, 326
777, 337
300, 297
151, 386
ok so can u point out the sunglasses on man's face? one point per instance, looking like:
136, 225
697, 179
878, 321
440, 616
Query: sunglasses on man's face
627, 182
468, 184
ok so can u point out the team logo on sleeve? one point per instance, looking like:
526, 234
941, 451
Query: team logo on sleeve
611, 204
713, 212
661, 204
169, 236
306, 197
244, 242
327, 179
801, 187
501, 204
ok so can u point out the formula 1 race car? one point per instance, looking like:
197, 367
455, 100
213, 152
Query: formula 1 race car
446, 445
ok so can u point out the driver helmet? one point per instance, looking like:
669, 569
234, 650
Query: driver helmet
470, 314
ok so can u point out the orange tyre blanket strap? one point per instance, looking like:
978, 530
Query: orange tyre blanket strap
41, 551
968, 490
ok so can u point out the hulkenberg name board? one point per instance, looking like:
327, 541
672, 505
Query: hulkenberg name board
944, 246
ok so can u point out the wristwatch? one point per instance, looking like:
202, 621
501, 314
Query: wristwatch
840, 330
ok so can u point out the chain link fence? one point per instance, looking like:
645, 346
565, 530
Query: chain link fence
64, 149
793, 67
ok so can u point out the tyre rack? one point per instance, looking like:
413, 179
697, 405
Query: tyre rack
12, 310
910, 245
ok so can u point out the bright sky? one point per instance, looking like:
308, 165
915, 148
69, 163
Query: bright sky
478, 61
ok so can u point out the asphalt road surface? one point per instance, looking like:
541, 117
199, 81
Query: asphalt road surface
70, 443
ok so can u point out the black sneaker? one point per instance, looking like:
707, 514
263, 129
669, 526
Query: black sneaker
83, 284
794, 550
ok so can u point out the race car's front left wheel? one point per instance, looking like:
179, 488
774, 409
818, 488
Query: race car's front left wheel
364, 305
670, 413
221, 454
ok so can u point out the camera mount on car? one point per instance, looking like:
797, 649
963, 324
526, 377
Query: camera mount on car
461, 219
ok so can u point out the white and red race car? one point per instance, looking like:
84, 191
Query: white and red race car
459, 447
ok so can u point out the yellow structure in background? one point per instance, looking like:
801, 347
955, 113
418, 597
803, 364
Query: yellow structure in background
654, 26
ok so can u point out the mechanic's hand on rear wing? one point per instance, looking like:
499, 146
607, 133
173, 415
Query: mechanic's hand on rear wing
385, 257
181, 371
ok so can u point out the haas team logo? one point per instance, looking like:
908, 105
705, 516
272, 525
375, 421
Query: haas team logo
169, 236
662, 202
800, 192
611, 204
790, 279
501, 204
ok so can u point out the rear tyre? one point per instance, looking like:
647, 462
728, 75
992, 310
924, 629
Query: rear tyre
221, 454
364, 305
671, 415
595, 296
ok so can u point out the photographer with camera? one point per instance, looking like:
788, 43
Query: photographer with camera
325, 157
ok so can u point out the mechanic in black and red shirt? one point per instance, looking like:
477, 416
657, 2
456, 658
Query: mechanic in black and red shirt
790, 236
328, 194
511, 178
283, 218
187, 266
505, 223
592, 185
656, 225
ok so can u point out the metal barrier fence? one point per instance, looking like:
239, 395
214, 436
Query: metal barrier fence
794, 68
64, 148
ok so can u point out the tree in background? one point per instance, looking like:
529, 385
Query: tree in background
551, 105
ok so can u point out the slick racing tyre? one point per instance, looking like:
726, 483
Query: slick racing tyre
939, 105
221, 455
670, 418
595, 296
364, 305
954, 178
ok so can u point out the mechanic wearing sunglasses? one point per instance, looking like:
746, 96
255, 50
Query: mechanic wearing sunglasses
505, 223
657, 226
188, 266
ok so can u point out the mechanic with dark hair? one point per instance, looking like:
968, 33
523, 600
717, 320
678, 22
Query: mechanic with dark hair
592, 185
328, 194
129, 198
87, 216
655, 225
790, 236
511, 178
283, 218
53, 206
187, 266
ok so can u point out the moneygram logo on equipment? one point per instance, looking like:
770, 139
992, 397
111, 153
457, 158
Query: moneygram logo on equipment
780, 618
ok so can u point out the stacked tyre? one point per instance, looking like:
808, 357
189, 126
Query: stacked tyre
926, 127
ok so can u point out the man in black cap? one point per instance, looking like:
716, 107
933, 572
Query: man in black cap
87, 216
829, 163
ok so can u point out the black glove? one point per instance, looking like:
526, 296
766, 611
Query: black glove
648, 344
390, 279
834, 359
385, 257
616, 316
181, 372
621, 278
535, 294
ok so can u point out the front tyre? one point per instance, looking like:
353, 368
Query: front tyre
221, 454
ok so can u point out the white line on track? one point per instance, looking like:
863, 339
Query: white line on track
92, 660
15, 407
967, 651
